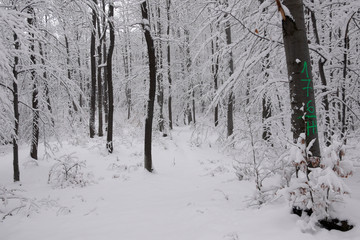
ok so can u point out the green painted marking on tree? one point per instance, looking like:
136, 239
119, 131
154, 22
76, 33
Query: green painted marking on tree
312, 127
305, 69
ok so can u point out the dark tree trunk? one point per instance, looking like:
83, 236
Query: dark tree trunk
191, 115
344, 124
104, 52
325, 100
230, 116
168, 5
93, 75
160, 77
152, 88
45, 79
35, 102
215, 70
74, 107
266, 113
15, 137
99, 82
303, 118
109, 139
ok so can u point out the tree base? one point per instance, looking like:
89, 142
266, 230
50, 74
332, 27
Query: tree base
329, 224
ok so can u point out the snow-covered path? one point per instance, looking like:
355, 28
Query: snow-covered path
193, 195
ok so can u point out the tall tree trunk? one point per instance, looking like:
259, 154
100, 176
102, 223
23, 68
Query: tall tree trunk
343, 85
104, 52
93, 75
15, 137
45, 78
159, 58
168, 5
35, 102
99, 82
325, 99
230, 116
303, 117
109, 139
191, 115
215, 71
152, 88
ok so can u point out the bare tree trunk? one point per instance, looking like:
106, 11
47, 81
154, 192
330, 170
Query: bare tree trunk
99, 82
215, 71
303, 118
15, 136
160, 77
152, 88
344, 124
35, 102
93, 75
48, 101
104, 52
109, 144
230, 116
325, 100
168, 5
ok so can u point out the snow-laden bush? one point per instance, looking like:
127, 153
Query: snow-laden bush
68, 171
11, 203
315, 190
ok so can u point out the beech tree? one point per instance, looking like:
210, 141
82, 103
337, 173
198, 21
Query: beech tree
302, 97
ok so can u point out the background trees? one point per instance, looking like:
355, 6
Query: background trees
64, 56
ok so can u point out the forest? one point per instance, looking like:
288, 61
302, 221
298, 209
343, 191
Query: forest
214, 105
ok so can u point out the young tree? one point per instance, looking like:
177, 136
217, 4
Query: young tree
152, 87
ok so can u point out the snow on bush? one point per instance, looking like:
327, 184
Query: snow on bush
316, 190
68, 171
11, 203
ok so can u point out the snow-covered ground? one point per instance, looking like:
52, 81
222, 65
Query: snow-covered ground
193, 195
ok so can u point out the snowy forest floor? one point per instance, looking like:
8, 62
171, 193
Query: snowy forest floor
192, 195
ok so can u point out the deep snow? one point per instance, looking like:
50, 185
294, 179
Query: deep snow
193, 195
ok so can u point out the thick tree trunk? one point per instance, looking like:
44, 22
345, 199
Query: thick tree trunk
15, 137
35, 102
152, 88
93, 75
303, 117
109, 139
168, 4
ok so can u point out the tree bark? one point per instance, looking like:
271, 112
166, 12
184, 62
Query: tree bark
15, 137
303, 117
230, 116
35, 102
325, 99
152, 88
168, 5
160, 77
109, 143
93, 75
99, 82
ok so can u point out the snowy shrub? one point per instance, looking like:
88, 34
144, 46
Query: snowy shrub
12, 203
261, 161
316, 190
68, 171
